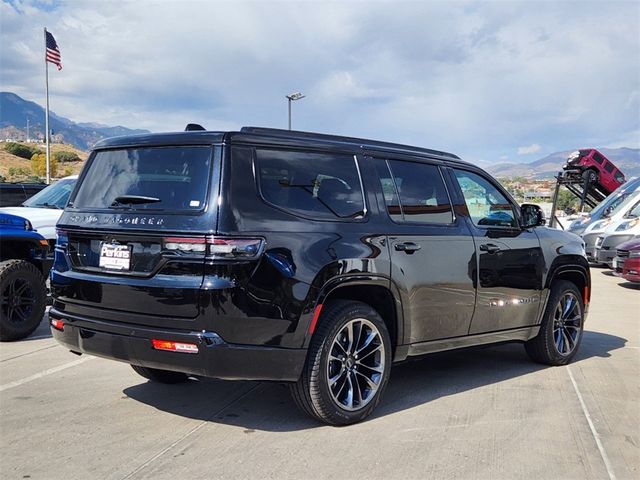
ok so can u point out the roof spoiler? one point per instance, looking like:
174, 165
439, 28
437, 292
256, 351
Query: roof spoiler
193, 127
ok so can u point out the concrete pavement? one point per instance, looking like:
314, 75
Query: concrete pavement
486, 413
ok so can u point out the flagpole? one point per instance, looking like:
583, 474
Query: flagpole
46, 118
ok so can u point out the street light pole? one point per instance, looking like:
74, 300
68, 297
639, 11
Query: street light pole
291, 97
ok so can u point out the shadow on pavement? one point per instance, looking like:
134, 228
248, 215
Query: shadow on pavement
269, 407
630, 285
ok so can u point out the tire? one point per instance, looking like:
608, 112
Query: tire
345, 373
160, 376
562, 326
23, 296
590, 175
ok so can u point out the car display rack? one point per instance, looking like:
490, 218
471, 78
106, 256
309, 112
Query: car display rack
579, 185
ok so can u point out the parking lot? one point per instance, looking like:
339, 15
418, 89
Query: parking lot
474, 414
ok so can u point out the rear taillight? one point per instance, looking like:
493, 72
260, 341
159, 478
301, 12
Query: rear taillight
229, 248
170, 346
186, 244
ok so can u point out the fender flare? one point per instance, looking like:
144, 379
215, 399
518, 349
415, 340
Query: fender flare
343, 281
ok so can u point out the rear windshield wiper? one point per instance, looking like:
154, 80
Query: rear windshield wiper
125, 200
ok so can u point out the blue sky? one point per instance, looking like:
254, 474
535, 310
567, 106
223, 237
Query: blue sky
491, 81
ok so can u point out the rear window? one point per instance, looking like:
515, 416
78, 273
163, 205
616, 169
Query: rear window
323, 186
619, 176
156, 178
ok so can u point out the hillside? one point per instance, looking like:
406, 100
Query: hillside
15, 111
15, 168
626, 159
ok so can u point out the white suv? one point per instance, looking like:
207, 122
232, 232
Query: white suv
44, 209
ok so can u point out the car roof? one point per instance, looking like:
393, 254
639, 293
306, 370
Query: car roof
271, 137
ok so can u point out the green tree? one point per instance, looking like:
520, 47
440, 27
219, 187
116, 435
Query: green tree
65, 156
20, 150
39, 165
566, 199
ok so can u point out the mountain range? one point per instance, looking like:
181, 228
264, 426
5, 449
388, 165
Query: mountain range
14, 112
626, 159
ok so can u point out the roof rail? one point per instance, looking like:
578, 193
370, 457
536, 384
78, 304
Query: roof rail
276, 132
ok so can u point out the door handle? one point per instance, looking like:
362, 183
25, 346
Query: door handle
489, 248
407, 247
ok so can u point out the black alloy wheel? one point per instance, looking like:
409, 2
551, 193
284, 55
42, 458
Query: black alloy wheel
23, 298
562, 326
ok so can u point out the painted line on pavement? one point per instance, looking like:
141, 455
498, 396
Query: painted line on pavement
594, 432
44, 373
189, 433
28, 353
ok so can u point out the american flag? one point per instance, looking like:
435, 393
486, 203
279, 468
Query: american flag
53, 52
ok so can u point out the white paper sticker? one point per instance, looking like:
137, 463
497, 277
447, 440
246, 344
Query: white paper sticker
194, 203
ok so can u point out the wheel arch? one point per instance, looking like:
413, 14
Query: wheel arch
379, 292
576, 270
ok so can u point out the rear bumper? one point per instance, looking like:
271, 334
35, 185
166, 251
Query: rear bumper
215, 358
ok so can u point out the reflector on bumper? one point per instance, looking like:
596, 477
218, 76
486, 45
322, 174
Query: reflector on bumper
174, 346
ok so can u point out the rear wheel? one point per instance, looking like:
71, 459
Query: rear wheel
22, 299
160, 376
562, 326
347, 366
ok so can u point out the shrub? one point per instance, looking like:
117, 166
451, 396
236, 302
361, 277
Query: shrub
64, 156
39, 165
20, 150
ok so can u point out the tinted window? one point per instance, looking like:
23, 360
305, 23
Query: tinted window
421, 192
619, 176
316, 185
598, 158
176, 178
608, 167
55, 195
487, 205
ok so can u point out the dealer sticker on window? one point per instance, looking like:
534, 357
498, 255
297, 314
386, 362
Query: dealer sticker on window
115, 257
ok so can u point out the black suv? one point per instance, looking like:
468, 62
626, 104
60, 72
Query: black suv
304, 258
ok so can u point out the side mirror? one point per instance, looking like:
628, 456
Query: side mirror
531, 215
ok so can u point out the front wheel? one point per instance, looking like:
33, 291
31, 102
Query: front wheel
591, 176
562, 326
347, 365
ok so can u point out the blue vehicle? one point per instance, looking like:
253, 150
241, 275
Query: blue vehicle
23, 269
605, 207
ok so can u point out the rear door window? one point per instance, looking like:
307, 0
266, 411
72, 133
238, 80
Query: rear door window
608, 167
323, 186
415, 193
154, 178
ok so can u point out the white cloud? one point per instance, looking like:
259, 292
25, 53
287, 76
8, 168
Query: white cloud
533, 148
480, 79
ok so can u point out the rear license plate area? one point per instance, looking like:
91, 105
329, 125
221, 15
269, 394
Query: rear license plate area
115, 257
